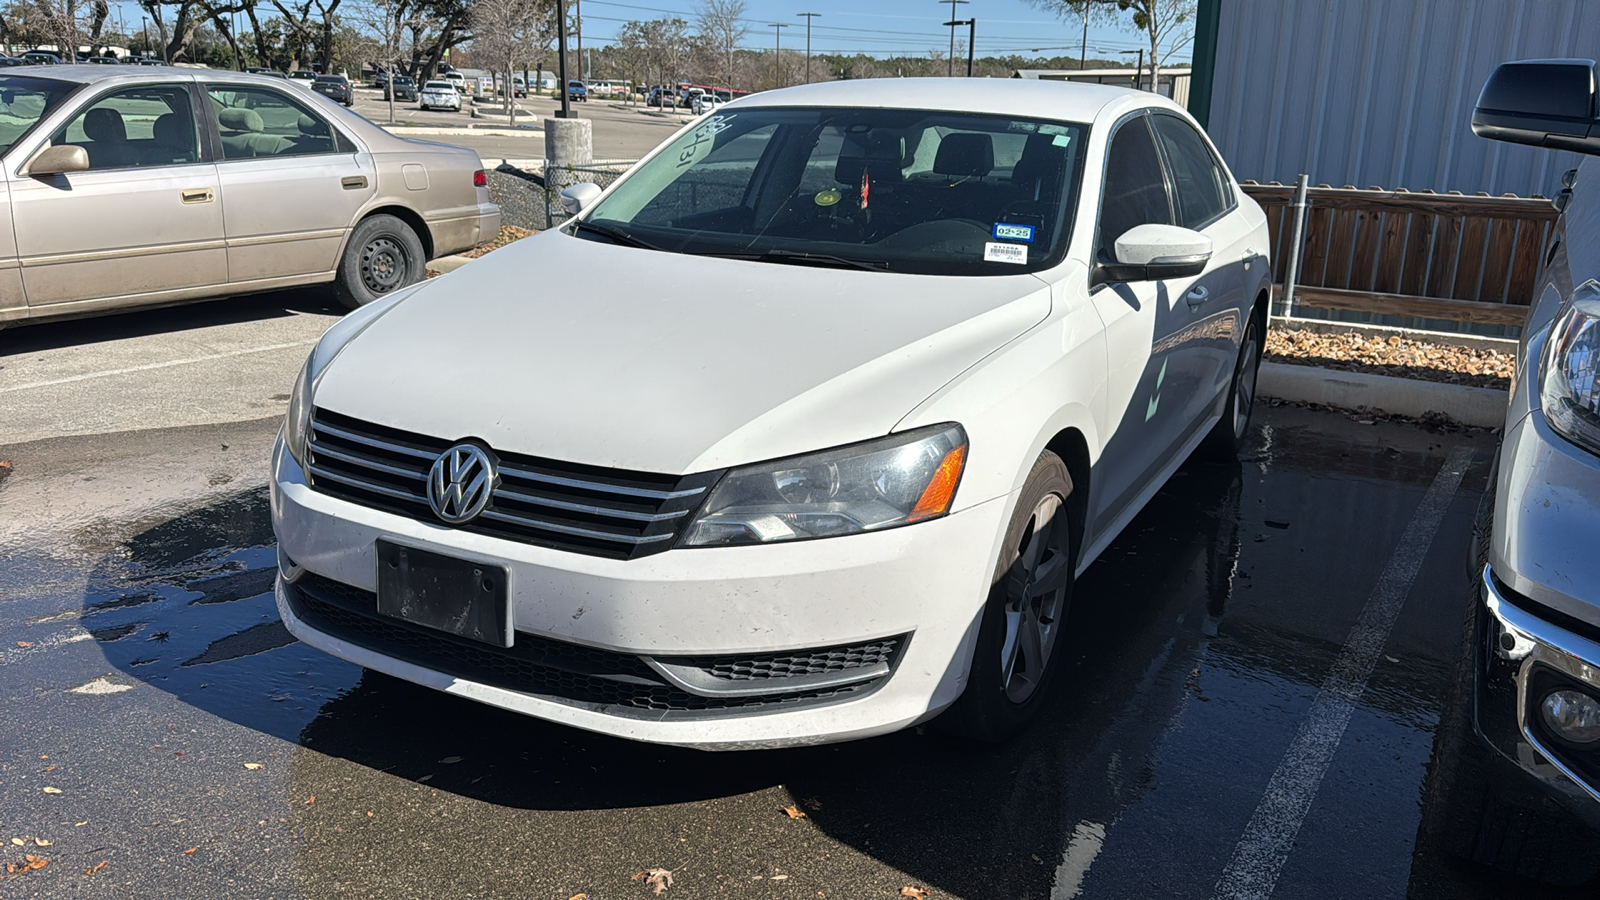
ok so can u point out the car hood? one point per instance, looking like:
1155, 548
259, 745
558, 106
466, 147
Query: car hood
588, 352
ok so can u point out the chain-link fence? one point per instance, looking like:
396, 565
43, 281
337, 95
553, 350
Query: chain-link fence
556, 177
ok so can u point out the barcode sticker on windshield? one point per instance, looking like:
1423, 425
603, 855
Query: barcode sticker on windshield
1006, 253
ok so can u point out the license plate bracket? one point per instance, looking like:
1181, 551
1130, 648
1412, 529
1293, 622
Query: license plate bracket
457, 596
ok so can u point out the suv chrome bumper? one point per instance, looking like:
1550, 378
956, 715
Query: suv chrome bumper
1521, 656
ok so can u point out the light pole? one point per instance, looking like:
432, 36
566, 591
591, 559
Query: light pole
808, 16
561, 60
972, 32
777, 52
1138, 69
951, 69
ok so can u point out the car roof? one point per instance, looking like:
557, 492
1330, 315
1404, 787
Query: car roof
1064, 100
89, 74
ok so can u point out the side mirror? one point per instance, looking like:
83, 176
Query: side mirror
1543, 102
1156, 252
579, 197
58, 160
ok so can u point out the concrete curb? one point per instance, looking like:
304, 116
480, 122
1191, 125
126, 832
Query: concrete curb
1482, 407
448, 263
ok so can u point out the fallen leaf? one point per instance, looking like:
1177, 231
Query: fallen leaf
190, 850
26, 644
96, 867
33, 862
52, 790
780, 878
18, 841
80, 824
254, 766
658, 880
41, 842
579, 897
450, 760
312, 800
914, 892
794, 812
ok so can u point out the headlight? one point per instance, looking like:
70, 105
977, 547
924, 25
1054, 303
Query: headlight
893, 481
297, 421
1569, 378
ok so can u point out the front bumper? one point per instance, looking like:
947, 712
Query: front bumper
1521, 655
924, 584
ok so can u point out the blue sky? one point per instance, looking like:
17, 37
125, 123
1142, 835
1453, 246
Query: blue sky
883, 28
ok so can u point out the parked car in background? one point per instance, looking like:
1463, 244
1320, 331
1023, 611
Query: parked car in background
303, 77
439, 94
519, 88
295, 191
1054, 293
403, 87
704, 103
263, 70
102, 60
577, 92
380, 79
6, 61
1517, 758
335, 88
42, 58
458, 81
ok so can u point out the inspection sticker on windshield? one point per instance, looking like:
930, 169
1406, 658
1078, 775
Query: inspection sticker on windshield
1004, 231
1006, 253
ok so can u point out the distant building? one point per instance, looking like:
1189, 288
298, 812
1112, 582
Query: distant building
1174, 80
1376, 92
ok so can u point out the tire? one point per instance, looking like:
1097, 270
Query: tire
382, 255
1228, 436
1026, 609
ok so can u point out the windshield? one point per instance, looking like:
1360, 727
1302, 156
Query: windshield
23, 102
904, 190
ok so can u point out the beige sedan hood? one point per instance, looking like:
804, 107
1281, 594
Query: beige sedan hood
589, 352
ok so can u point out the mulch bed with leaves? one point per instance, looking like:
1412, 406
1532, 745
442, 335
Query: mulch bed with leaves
508, 234
1403, 357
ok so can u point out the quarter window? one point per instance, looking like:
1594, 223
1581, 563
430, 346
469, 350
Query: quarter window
1135, 190
138, 127
1201, 189
258, 122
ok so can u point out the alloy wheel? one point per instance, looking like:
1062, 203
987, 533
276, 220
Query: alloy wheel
1036, 592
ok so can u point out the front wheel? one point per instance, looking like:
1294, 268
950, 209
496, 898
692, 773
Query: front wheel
383, 255
1015, 658
1228, 435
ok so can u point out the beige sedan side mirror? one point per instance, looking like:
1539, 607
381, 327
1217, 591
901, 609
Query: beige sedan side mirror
58, 160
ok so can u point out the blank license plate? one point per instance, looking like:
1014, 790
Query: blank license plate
456, 596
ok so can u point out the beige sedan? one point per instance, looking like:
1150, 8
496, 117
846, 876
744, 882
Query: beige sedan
154, 186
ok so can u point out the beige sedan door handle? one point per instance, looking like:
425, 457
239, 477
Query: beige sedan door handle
198, 195
353, 182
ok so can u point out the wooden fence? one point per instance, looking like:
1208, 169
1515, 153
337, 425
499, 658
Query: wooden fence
1466, 258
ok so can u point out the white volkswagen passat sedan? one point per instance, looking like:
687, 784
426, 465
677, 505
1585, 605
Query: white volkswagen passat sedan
798, 433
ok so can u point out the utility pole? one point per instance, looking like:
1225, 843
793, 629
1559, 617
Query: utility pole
808, 17
1138, 70
561, 60
777, 52
951, 69
577, 13
1083, 52
972, 31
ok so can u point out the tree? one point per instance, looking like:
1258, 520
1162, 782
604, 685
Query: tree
655, 47
506, 33
1165, 22
722, 27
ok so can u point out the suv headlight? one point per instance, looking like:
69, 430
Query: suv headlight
1569, 377
897, 480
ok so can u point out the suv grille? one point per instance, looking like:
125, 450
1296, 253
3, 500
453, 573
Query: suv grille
615, 683
584, 509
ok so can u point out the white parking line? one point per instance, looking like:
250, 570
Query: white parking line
17, 653
159, 365
1259, 857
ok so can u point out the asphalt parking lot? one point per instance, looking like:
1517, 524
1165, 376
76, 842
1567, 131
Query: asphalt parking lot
1256, 671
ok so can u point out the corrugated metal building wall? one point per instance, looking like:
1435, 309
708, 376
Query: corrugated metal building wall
1380, 92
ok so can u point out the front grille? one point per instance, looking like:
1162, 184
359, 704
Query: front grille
614, 683
584, 509
826, 660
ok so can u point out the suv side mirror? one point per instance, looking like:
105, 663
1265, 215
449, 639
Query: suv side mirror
579, 197
1543, 102
1156, 252
58, 160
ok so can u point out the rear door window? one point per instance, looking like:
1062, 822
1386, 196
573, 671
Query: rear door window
257, 122
1201, 188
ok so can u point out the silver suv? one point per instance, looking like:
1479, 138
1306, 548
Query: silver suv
1517, 761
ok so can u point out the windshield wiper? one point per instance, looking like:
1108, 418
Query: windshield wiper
802, 258
615, 235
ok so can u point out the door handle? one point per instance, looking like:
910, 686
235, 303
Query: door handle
1249, 257
197, 195
1197, 296
353, 182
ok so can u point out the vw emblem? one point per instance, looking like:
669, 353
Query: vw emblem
461, 482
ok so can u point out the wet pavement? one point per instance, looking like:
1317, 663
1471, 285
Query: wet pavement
160, 719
